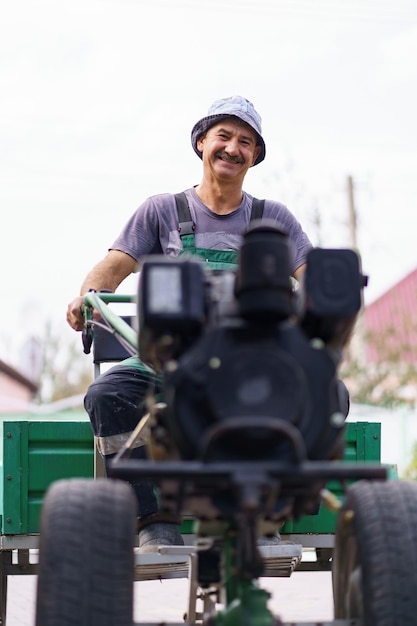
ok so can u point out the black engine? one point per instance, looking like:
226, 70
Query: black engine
249, 363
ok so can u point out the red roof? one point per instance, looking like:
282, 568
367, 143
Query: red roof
393, 319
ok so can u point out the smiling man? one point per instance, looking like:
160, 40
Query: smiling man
207, 220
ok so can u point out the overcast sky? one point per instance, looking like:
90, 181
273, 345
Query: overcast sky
97, 103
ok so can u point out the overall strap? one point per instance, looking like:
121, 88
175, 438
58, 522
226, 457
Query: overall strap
186, 225
216, 259
257, 209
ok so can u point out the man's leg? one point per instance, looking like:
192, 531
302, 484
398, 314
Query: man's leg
115, 402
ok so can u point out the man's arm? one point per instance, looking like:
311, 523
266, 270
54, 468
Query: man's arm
106, 275
300, 271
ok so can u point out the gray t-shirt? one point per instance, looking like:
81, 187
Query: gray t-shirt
153, 228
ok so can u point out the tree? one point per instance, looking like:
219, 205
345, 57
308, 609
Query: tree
410, 472
64, 371
386, 376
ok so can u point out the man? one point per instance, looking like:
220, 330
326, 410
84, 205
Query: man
209, 221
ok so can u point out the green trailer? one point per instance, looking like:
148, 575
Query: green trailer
38, 451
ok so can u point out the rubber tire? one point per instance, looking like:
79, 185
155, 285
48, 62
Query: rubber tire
3, 597
86, 557
374, 570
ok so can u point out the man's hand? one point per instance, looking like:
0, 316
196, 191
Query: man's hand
75, 316
106, 275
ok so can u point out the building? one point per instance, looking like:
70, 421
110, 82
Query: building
17, 391
391, 320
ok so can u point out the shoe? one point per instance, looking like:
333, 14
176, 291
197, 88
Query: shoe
273, 540
159, 534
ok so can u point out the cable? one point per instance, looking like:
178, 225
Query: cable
107, 327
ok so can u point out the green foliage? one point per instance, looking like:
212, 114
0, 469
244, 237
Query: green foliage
383, 373
410, 472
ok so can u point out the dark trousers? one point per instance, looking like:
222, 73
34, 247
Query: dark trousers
115, 404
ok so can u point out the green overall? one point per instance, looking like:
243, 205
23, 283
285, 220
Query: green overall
216, 259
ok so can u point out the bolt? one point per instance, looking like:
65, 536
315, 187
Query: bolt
215, 363
337, 419
317, 343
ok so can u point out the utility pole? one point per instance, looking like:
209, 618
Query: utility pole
352, 222
357, 343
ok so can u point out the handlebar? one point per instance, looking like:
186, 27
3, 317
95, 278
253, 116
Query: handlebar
110, 321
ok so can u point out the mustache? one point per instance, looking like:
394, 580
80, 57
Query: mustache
221, 154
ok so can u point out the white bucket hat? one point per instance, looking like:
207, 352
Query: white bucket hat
235, 106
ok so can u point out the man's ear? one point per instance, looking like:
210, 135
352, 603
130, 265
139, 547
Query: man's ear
200, 142
256, 154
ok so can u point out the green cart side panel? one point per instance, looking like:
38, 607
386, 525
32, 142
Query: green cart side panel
35, 454
362, 443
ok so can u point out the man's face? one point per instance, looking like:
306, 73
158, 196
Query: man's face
229, 148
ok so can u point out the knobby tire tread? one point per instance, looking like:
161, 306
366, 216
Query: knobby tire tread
384, 532
86, 554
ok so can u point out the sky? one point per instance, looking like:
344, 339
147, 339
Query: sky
98, 98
